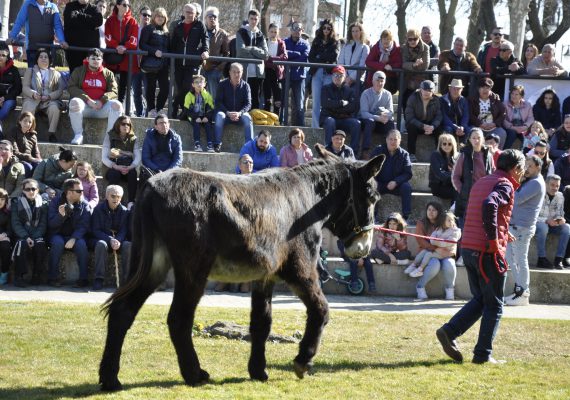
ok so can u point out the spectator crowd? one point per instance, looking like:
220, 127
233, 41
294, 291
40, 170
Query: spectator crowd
54, 203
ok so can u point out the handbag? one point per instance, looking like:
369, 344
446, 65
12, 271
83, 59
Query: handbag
151, 64
116, 58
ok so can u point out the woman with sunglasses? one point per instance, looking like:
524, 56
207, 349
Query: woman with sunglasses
441, 166
122, 33
415, 57
324, 50
29, 227
541, 151
121, 155
81, 22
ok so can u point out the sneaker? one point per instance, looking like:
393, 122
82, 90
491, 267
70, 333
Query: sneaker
490, 360
378, 261
152, 113
403, 262
449, 346
416, 273
372, 288
354, 286
197, 147
98, 284
422, 294
52, 138
77, 139
218, 148
3, 278
410, 268
413, 158
544, 263
518, 299
449, 293
81, 283
558, 263
210, 148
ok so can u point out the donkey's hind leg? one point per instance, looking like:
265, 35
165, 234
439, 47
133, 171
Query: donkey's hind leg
187, 294
307, 287
122, 313
259, 328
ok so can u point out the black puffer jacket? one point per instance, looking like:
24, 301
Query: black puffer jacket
10, 81
154, 38
81, 24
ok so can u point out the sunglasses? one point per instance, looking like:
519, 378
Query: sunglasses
327, 28
447, 144
30, 189
413, 39
338, 75
79, 191
146, 15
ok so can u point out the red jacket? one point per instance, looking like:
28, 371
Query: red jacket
474, 236
281, 56
114, 33
373, 61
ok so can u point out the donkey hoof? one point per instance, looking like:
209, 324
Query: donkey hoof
259, 375
111, 386
202, 378
302, 369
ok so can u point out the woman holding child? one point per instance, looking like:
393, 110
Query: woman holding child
433, 219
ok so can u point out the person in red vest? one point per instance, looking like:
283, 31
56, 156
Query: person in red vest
485, 237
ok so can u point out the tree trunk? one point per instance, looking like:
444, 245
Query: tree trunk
264, 23
518, 10
5, 9
474, 32
487, 16
540, 35
244, 7
356, 11
402, 5
446, 23
534, 23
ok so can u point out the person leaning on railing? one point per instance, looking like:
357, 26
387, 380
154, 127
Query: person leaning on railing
457, 59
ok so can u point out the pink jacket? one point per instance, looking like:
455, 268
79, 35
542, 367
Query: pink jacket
288, 155
526, 114
90, 193
444, 248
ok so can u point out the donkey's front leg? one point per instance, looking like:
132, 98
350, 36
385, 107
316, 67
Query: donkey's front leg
180, 322
310, 293
259, 328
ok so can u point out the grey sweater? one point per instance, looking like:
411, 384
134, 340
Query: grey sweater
528, 202
372, 103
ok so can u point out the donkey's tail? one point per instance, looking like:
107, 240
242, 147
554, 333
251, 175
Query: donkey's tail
141, 259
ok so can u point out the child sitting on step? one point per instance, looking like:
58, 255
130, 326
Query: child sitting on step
449, 231
85, 173
199, 109
392, 248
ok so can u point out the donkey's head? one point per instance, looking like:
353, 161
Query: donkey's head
353, 222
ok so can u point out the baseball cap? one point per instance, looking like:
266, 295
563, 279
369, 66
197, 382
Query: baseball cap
339, 69
297, 26
379, 75
338, 132
427, 85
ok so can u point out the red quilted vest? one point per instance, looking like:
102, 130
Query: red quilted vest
474, 237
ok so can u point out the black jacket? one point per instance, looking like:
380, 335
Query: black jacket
81, 24
10, 81
105, 221
440, 170
331, 102
22, 226
324, 53
152, 39
196, 43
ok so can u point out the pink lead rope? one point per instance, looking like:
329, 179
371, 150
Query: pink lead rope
380, 228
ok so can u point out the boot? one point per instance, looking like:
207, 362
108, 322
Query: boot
449, 293
422, 294
543, 263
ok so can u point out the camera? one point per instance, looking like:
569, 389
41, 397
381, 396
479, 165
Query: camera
68, 209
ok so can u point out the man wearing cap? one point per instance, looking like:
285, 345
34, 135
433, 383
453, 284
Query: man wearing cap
505, 63
376, 110
490, 49
297, 51
457, 59
487, 112
219, 47
338, 148
455, 110
423, 116
339, 107
546, 64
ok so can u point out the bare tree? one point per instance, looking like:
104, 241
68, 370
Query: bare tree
518, 10
446, 22
356, 11
474, 32
540, 29
401, 6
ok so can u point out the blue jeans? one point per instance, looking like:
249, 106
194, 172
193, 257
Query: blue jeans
349, 125
244, 120
139, 79
320, 78
6, 108
404, 191
542, 230
56, 250
297, 117
208, 127
447, 268
213, 78
374, 126
487, 303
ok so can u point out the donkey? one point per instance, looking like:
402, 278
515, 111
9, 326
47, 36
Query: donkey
231, 228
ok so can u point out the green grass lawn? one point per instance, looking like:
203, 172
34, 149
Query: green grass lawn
52, 351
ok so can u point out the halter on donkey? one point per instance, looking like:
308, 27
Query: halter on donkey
263, 228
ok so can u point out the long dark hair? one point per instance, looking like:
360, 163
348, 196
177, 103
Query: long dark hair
429, 226
555, 99
319, 33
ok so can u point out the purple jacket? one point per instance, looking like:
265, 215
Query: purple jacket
288, 155
526, 114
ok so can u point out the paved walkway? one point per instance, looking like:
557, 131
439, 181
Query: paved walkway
288, 301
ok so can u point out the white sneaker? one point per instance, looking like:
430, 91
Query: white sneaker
77, 139
410, 268
403, 262
152, 113
422, 295
416, 273
378, 261
450, 294
515, 300
459, 262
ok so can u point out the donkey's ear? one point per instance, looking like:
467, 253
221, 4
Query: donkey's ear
322, 151
372, 167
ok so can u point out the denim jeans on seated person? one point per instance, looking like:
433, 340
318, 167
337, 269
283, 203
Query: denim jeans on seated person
244, 120
57, 246
208, 127
374, 126
351, 126
543, 229
448, 272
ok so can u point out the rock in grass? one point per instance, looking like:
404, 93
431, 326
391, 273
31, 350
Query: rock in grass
232, 330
